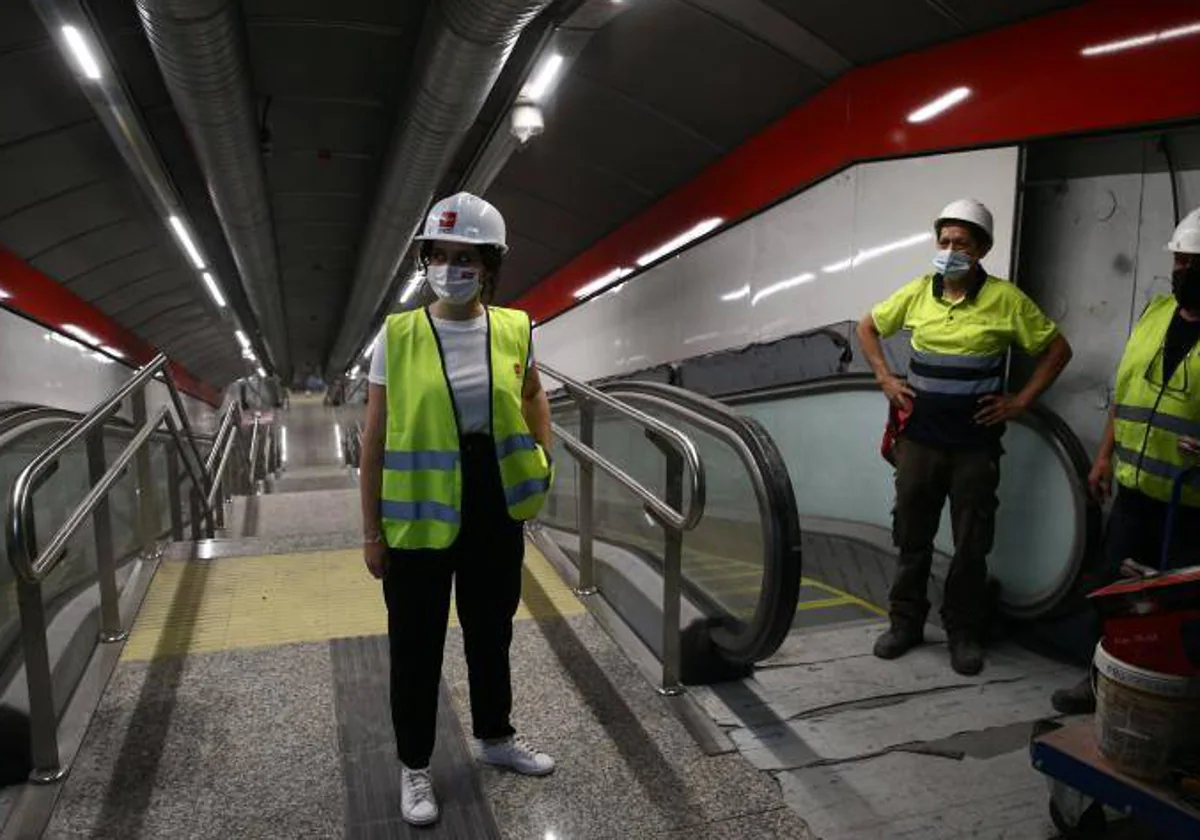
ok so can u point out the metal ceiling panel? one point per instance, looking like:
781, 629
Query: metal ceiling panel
105, 278
71, 213
119, 300
986, 14
78, 254
872, 30
703, 62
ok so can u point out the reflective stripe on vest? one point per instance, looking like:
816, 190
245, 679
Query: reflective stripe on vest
937, 373
1150, 417
421, 494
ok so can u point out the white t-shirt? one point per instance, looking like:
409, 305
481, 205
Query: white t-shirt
464, 348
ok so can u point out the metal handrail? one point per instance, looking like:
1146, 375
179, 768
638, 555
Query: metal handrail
33, 566
682, 459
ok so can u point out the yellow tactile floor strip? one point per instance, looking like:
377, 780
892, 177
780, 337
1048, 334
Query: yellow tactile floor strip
282, 599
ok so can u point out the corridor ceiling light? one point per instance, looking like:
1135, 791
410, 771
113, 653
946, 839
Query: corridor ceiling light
262, 374
337, 435
678, 242
538, 86
1142, 40
185, 239
737, 294
5, 294
354, 372
82, 334
100, 357
411, 287
112, 351
601, 282
775, 288
242, 340
82, 53
878, 251
214, 290
944, 102
283, 443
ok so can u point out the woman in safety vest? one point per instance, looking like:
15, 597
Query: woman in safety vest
1153, 435
454, 460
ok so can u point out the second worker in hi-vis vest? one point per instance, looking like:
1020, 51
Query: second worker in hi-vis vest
454, 461
963, 323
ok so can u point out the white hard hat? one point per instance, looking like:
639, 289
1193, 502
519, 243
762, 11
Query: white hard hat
465, 218
966, 210
1186, 239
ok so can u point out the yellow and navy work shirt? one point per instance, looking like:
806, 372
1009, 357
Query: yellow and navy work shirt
959, 352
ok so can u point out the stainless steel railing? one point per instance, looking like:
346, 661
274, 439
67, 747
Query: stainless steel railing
32, 564
683, 462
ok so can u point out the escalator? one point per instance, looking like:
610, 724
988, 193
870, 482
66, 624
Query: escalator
817, 420
741, 564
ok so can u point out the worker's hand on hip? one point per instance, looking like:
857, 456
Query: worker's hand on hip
898, 392
1100, 480
999, 408
375, 555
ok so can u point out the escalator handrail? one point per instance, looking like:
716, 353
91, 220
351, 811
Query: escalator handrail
1038, 418
780, 590
585, 395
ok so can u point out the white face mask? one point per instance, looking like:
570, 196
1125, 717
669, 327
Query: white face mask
453, 283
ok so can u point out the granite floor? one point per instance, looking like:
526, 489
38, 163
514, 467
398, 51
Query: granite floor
293, 741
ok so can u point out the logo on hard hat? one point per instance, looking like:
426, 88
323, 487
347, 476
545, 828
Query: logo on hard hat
449, 220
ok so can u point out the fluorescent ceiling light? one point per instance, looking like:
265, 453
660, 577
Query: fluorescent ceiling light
262, 373
81, 52
112, 351
337, 434
248, 355
878, 251
5, 294
1142, 40
775, 288
242, 340
543, 78
214, 290
100, 357
679, 241
601, 282
283, 443
931, 109
354, 372
410, 289
737, 294
81, 334
185, 239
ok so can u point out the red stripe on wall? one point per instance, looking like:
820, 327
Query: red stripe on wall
1027, 80
48, 302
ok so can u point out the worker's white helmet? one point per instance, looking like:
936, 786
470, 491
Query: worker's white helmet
1186, 239
966, 210
465, 218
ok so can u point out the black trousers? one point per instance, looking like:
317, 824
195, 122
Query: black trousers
484, 564
1135, 530
925, 476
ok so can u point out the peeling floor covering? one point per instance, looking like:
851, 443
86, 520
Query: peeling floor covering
865, 749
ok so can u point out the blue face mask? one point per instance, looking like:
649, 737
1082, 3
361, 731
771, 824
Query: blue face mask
950, 263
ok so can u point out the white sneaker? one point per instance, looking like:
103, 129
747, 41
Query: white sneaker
418, 805
516, 754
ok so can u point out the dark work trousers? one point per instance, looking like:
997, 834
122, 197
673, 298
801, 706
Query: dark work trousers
925, 476
1135, 531
485, 565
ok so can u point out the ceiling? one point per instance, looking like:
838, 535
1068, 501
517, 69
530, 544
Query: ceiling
655, 96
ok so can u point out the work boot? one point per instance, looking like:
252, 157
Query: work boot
899, 640
1079, 699
966, 654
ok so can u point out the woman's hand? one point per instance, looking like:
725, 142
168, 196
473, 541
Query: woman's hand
375, 555
1100, 480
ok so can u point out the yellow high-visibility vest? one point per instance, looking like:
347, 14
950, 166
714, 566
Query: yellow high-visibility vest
421, 498
1150, 416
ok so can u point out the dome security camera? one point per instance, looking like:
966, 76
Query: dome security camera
526, 122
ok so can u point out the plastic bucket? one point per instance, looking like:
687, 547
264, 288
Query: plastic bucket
1144, 718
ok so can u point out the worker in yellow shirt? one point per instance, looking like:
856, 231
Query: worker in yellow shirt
1152, 439
963, 322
